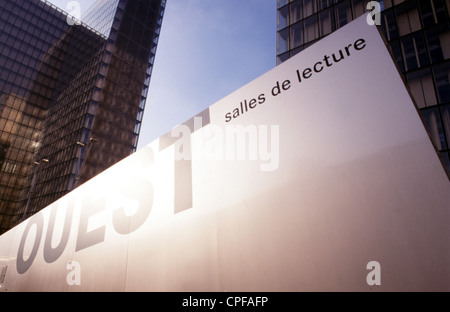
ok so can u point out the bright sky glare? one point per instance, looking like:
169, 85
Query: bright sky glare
207, 50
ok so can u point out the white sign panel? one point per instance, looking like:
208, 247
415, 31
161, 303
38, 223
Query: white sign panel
317, 176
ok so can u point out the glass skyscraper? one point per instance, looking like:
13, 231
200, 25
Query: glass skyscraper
418, 35
72, 95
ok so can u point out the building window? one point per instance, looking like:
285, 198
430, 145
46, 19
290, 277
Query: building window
408, 19
295, 51
359, 7
283, 18
9, 167
295, 11
441, 74
446, 121
438, 44
432, 120
326, 22
385, 4
296, 35
414, 52
283, 41
311, 29
309, 7
445, 156
323, 4
282, 58
282, 2
433, 11
343, 13
422, 88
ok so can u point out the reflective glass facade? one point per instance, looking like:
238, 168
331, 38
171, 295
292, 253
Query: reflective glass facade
418, 34
71, 96
101, 15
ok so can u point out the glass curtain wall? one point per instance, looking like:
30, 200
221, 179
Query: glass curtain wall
71, 96
418, 35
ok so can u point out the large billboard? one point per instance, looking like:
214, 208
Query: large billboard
317, 176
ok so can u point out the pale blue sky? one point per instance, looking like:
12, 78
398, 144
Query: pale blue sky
207, 50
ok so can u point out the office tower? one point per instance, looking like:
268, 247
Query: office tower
72, 95
417, 33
